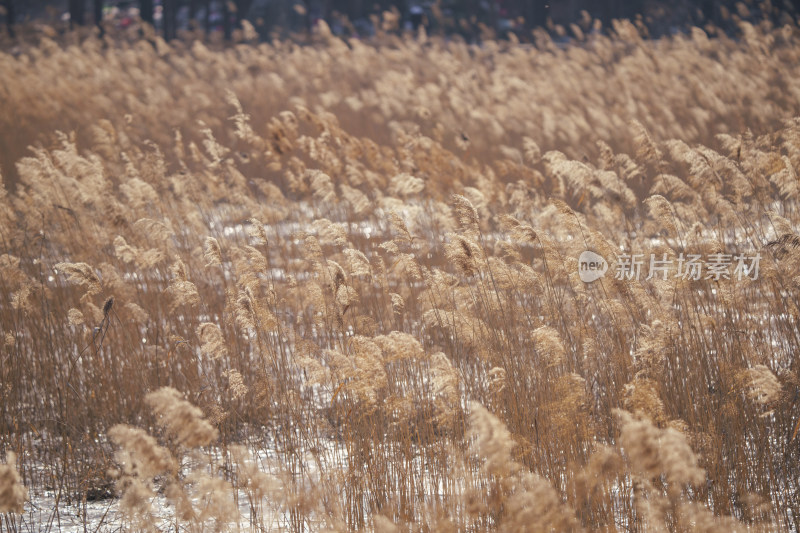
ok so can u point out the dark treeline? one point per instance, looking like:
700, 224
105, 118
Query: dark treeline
161, 13
468, 17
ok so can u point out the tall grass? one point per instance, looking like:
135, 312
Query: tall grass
337, 286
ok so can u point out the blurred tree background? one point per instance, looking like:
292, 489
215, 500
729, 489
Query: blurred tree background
470, 18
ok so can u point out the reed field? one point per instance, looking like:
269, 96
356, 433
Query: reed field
335, 286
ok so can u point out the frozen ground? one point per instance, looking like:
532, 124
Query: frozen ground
47, 512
